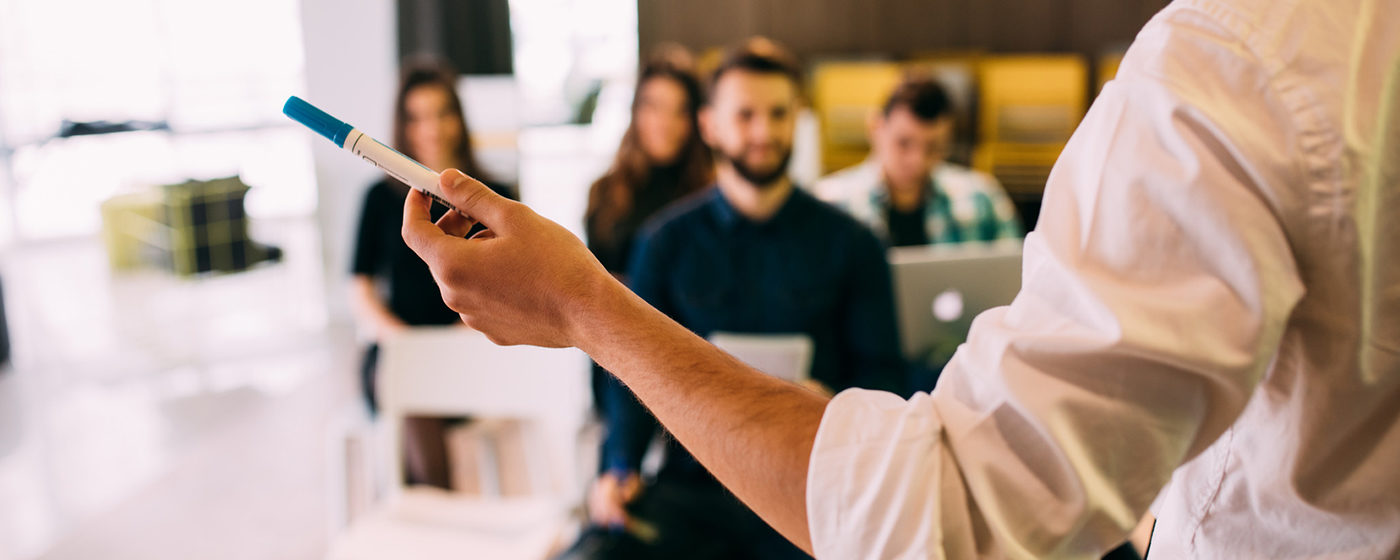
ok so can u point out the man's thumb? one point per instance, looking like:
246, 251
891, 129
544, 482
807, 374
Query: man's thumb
474, 199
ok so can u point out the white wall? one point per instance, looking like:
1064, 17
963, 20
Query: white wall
351, 72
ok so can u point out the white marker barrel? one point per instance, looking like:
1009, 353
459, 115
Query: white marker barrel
397, 165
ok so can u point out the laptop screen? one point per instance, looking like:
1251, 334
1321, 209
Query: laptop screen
939, 289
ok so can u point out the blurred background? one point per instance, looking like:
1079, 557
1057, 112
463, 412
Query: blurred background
181, 361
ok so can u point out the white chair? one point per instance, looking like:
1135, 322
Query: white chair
457, 372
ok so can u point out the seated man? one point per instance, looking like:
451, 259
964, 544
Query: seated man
752, 255
906, 192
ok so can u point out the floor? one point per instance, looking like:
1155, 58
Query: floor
147, 416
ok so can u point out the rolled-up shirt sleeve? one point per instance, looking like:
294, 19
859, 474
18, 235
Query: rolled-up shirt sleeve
876, 481
1155, 292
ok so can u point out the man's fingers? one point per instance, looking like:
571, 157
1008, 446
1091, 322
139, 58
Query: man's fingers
419, 231
484, 234
475, 199
456, 224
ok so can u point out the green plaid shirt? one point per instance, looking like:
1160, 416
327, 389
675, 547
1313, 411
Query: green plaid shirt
963, 204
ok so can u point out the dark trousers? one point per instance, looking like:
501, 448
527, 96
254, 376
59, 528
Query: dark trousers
424, 437
369, 367
701, 522
691, 522
1123, 552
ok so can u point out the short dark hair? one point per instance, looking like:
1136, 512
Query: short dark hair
922, 96
759, 55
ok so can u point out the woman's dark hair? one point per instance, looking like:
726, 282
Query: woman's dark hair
432, 73
612, 196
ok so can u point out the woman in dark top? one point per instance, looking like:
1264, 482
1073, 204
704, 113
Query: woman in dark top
661, 159
391, 288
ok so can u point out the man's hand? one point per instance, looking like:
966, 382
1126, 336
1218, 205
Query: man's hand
523, 281
610, 495
526, 280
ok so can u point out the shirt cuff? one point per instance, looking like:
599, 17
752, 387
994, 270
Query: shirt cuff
873, 478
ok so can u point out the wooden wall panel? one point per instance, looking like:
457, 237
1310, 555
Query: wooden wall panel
818, 28
912, 26
697, 25
1098, 24
1016, 25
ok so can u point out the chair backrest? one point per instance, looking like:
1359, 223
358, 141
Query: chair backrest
1031, 99
844, 95
1029, 107
452, 371
786, 356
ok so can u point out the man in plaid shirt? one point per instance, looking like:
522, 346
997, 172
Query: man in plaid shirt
905, 192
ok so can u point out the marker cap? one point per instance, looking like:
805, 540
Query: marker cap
317, 120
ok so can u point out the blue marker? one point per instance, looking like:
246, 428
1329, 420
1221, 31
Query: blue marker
397, 165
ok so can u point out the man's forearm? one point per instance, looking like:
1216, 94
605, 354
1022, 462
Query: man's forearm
752, 431
530, 281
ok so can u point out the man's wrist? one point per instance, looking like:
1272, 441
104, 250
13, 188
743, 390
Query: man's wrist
602, 303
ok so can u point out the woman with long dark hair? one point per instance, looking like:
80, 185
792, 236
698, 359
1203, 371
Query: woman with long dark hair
661, 159
391, 288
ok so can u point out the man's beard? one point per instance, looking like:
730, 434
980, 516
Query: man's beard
761, 180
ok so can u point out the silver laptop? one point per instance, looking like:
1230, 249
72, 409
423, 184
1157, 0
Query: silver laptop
939, 289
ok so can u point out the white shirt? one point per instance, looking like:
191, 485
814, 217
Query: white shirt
1212, 296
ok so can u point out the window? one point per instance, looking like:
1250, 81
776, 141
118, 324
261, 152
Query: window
567, 50
206, 78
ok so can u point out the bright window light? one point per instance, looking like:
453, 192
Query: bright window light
214, 73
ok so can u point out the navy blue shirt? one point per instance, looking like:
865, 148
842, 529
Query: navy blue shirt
809, 269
